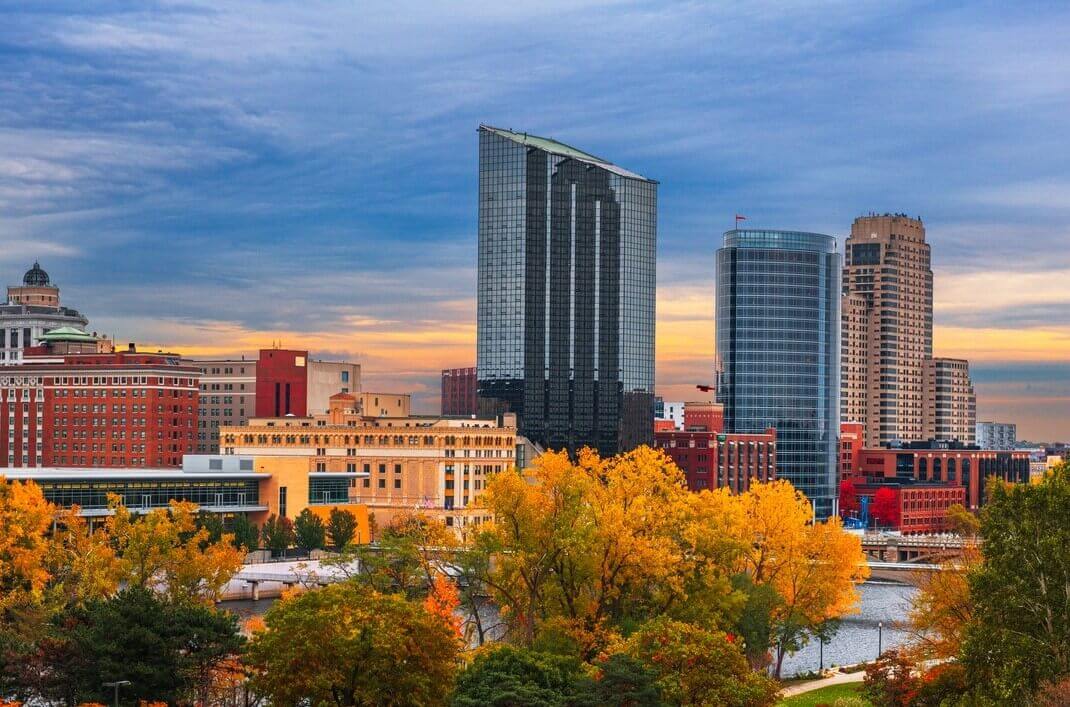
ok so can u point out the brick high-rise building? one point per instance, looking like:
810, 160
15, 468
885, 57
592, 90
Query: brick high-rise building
950, 403
711, 460
123, 409
887, 327
459, 387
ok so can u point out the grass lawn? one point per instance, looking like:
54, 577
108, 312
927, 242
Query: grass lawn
826, 695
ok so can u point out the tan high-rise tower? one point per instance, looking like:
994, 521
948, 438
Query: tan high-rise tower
887, 332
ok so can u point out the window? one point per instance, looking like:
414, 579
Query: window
382, 483
282, 501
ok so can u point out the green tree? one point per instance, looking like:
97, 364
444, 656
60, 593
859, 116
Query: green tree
309, 532
624, 681
346, 645
165, 649
1019, 634
341, 528
277, 534
246, 534
213, 524
509, 676
696, 666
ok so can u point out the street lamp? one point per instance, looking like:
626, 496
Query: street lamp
880, 636
117, 684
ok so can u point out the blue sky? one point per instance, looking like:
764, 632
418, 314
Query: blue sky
212, 176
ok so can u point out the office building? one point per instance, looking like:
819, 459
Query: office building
711, 460
292, 381
673, 412
950, 411
123, 409
997, 435
32, 309
459, 387
887, 327
703, 416
438, 465
566, 293
778, 351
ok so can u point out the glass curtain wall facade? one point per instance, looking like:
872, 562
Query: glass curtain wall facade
566, 293
778, 350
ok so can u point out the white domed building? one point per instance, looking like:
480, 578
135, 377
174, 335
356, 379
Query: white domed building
32, 309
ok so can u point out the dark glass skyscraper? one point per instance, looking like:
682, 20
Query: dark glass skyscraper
778, 350
566, 293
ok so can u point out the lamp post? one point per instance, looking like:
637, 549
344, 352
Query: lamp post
117, 684
880, 637
821, 653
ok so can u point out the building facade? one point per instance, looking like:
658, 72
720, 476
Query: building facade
228, 398
459, 388
123, 409
887, 327
711, 460
950, 411
566, 296
704, 417
778, 351
437, 465
997, 435
32, 309
673, 412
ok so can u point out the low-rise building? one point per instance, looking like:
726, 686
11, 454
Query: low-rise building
713, 460
434, 464
257, 487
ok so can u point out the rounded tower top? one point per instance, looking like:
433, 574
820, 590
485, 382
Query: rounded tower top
36, 277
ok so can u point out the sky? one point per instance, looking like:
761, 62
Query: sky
213, 177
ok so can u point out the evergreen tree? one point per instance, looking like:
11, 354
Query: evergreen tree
309, 532
341, 528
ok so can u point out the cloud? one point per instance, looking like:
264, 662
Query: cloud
215, 175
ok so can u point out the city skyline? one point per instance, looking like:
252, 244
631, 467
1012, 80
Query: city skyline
213, 212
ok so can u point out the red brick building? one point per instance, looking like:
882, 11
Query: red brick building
712, 460
282, 383
924, 478
707, 417
123, 409
459, 391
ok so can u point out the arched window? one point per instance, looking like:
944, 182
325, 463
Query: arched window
923, 469
938, 474
951, 470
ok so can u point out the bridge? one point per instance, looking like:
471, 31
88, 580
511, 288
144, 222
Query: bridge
912, 549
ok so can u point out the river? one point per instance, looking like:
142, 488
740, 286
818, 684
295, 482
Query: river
882, 603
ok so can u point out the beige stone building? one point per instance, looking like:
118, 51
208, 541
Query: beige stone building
325, 378
436, 465
887, 327
950, 403
385, 404
228, 398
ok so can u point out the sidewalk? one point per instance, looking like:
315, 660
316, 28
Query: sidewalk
810, 685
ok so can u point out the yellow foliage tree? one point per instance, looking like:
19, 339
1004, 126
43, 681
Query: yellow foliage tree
814, 567
82, 562
606, 540
165, 549
25, 517
942, 609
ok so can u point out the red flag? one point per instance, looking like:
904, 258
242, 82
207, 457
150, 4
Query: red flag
740, 218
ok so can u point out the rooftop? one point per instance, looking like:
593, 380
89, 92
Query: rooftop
559, 148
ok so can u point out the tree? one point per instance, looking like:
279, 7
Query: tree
246, 534
848, 497
25, 517
886, 507
166, 547
83, 564
163, 648
309, 531
890, 681
213, 523
341, 528
961, 522
942, 609
813, 567
346, 645
1019, 635
509, 676
442, 601
606, 542
696, 666
624, 681
277, 534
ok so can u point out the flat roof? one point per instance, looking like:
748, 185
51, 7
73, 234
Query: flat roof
111, 473
555, 147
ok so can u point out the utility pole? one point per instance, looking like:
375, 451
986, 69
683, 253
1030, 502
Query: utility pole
117, 684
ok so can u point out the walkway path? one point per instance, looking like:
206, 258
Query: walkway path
810, 685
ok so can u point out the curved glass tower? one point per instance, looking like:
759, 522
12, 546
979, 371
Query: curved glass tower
778, 350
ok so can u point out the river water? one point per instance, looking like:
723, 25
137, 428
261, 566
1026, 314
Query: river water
881, 603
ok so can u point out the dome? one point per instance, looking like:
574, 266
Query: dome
35, 276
